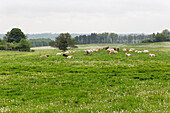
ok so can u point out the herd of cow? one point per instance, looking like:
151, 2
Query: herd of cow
110, 51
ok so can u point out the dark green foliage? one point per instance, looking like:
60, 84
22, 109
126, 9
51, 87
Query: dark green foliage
24, 45
63, 41
159, 37
148, 41
15, 40
3, 47
15, 35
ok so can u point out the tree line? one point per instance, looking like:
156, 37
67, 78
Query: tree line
16, 40
39, 42
128, 38
111, 38
159, 37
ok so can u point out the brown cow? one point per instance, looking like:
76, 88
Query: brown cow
124, 49
117, 49
106, 47
65, 55
68, 56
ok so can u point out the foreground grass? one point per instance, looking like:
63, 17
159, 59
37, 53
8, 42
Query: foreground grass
98, 82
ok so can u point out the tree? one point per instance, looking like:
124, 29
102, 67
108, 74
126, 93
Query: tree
165, 32
63, 41
15, 35
160, 37
24, 45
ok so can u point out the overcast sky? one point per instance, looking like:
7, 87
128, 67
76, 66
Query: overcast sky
85, 16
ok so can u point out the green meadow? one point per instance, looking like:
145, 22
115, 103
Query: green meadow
98, 82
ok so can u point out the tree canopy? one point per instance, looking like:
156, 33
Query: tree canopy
63, 41
15, 40
15, 35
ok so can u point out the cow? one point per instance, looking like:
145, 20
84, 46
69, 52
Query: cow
124, 49
117, 49
145, 51
106, 47
59, 53
138, 51
96, 49
151, 55
88, 51
68, 56
44, 56
128, 54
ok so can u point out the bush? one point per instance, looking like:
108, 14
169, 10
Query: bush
32, 50
148, 41
3, 47
24, 45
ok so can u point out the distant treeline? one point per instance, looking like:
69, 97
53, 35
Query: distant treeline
111, 38
45, 39
51, 36
127, 38
39, 42
159, 37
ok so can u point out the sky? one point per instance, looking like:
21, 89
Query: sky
85, 16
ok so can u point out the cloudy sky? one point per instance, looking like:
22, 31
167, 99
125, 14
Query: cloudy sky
85, 16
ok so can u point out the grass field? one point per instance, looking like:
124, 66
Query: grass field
98, 82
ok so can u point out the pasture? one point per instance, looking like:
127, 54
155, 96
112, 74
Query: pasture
98, 82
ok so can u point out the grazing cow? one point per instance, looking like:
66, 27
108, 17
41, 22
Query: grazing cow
65, 55
44, 56
128, 54
106, 47
145, 51
96, 49
68, 56
138, 51
130, 50
67, 52
117, 49
59, 53
151, 55
112, 51
88, 51
124, 49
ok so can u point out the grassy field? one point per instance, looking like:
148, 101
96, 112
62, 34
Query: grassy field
98, 82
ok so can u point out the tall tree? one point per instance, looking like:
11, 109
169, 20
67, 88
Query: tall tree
63, 41
15, 35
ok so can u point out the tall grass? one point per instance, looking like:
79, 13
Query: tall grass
98, 82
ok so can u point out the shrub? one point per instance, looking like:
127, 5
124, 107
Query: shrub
3, 47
